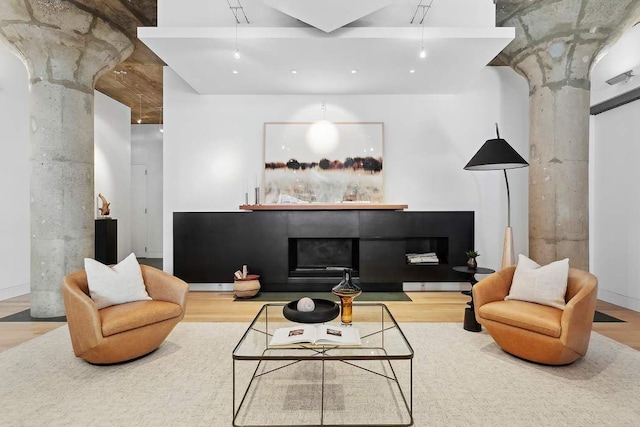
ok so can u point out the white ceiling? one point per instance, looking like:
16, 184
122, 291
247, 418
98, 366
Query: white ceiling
382, 55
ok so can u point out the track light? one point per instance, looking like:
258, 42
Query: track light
421, 9
236, 54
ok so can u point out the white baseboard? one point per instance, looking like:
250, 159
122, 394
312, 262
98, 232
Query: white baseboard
154, 255
14, 291
435, 286
621, 300
408, 287
219, 287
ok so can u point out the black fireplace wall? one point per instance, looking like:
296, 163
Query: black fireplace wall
210, 246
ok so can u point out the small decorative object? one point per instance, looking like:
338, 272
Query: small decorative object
347, 291
305, 304
257, 190
324, 311
104, 209
245, 285
471, 262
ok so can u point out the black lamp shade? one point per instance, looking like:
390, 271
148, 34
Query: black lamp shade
496, 154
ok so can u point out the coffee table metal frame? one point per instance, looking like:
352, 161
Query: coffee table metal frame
273, 313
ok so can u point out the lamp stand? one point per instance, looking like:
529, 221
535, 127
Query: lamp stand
508, 257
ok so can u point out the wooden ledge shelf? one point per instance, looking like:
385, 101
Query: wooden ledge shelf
323, 207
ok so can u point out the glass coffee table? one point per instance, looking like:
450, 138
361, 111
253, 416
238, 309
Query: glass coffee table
324, 385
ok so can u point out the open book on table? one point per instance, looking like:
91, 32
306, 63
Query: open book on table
316, 334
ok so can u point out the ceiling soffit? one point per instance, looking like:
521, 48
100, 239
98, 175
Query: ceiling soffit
328, 15
374, 46
349, 61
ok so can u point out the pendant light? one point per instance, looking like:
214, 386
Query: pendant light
322, 136
140, 108
236, 54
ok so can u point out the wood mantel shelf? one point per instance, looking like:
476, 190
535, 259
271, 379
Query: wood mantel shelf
322, 207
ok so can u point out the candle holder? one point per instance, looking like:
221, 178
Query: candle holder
347, 291
257, 190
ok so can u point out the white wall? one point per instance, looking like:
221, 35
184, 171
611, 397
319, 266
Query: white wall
213, 143
615, 205
146, 149
113, 150
112, 133
14, 176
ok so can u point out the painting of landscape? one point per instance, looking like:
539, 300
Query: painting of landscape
323, 163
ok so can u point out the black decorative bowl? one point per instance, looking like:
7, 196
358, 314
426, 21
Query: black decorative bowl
325, 311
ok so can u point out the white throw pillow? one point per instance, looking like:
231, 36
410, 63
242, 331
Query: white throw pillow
110, 286
543, 285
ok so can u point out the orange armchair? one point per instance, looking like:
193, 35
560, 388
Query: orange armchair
125, 331
535, 332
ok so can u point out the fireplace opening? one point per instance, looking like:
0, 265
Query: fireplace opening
322, 257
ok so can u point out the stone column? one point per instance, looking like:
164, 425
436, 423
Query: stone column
65, 50
556, 43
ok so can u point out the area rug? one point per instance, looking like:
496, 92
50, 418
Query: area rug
459, 379
25, 315
292, 296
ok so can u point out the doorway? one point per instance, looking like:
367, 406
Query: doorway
139, 210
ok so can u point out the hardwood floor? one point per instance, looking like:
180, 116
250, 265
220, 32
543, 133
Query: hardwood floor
220, 307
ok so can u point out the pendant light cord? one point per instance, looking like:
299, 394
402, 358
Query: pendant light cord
324, 108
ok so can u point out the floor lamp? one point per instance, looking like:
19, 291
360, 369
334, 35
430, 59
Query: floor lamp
497, 154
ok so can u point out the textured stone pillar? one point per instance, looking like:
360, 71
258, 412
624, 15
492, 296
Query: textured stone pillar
556, 43
65, 50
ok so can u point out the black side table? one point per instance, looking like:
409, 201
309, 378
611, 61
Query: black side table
470, 323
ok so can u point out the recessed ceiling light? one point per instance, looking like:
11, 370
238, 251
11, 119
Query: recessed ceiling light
354, 71
294, 71
235, 71
412, 71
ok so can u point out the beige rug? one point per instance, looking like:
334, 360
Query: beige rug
460, 379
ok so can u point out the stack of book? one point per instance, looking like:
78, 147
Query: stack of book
425, 258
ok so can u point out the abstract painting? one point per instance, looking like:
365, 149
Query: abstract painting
323, 162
